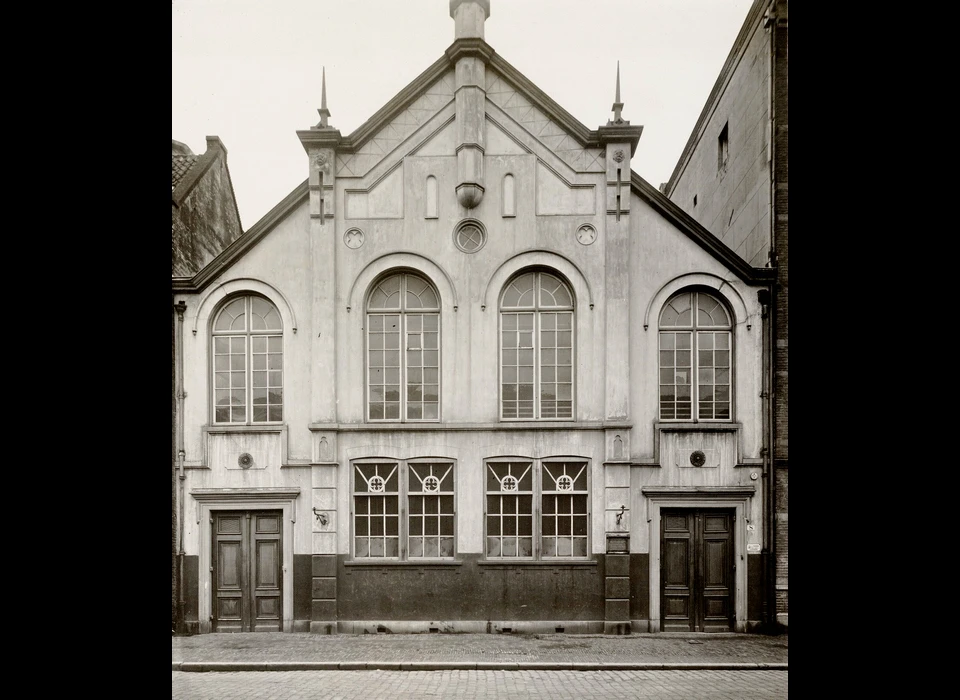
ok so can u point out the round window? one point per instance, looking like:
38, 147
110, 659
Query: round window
470, 236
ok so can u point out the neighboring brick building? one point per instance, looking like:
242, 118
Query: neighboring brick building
205, 221
732, 178
473, 374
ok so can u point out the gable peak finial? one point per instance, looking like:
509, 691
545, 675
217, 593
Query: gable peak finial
469, 16
324, 112
617, 104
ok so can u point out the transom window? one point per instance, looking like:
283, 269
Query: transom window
515, 531
403, 350
536, 348
695, 358
248, 362
403, 510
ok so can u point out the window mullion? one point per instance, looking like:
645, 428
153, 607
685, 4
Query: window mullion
537, 509
248, 358
403, 356
402, 509
536, 360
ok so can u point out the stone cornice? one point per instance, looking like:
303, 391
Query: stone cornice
706, 240
469, 427
469, 47
241, 245
322, 137
698, 490
612, 133
261, 493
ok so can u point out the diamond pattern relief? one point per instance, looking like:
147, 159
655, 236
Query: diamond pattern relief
399, 128
551, 134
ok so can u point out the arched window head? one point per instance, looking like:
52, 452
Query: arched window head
247, 362
403, 349
696, 368
536, 347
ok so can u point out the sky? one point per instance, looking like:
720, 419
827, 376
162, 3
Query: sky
249, 71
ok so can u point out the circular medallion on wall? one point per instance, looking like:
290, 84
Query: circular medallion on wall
470, 235
245, 460
697, 458
586, 234
353, 238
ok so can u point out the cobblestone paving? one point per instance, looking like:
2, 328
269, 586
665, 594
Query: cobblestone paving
643, 648
464, 685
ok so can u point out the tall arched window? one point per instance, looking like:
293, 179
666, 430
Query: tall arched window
403, 349
248, 362
536, 347
696, 369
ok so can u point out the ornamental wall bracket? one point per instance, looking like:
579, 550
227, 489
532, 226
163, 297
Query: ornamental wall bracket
322, 517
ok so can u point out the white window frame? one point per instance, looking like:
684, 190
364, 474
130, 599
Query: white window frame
404, 314
538, 312
443, 466
248, 335
694, 329
536, 466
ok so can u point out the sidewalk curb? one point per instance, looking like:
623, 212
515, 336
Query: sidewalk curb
246, 666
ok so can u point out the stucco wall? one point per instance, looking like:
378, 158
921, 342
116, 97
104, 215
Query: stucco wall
733, 202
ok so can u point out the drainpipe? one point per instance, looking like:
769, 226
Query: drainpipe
767, 565
180, 308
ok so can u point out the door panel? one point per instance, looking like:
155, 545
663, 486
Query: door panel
267, 591
247, 560
697, 562
677, 573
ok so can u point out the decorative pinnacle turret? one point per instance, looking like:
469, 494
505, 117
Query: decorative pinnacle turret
324, 112
617, 104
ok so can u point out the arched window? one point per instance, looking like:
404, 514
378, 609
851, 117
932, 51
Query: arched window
403, 349
248, 362
695, 358
536, 347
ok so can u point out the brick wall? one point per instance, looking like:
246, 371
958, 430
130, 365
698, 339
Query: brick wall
781, 391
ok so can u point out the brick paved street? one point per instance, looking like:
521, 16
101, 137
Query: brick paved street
465, 685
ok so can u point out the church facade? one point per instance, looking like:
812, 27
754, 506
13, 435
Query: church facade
473, 375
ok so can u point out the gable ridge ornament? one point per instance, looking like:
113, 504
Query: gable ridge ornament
323, 111
617, 104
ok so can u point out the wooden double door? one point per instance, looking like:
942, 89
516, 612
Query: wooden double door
697, 566
247, 571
